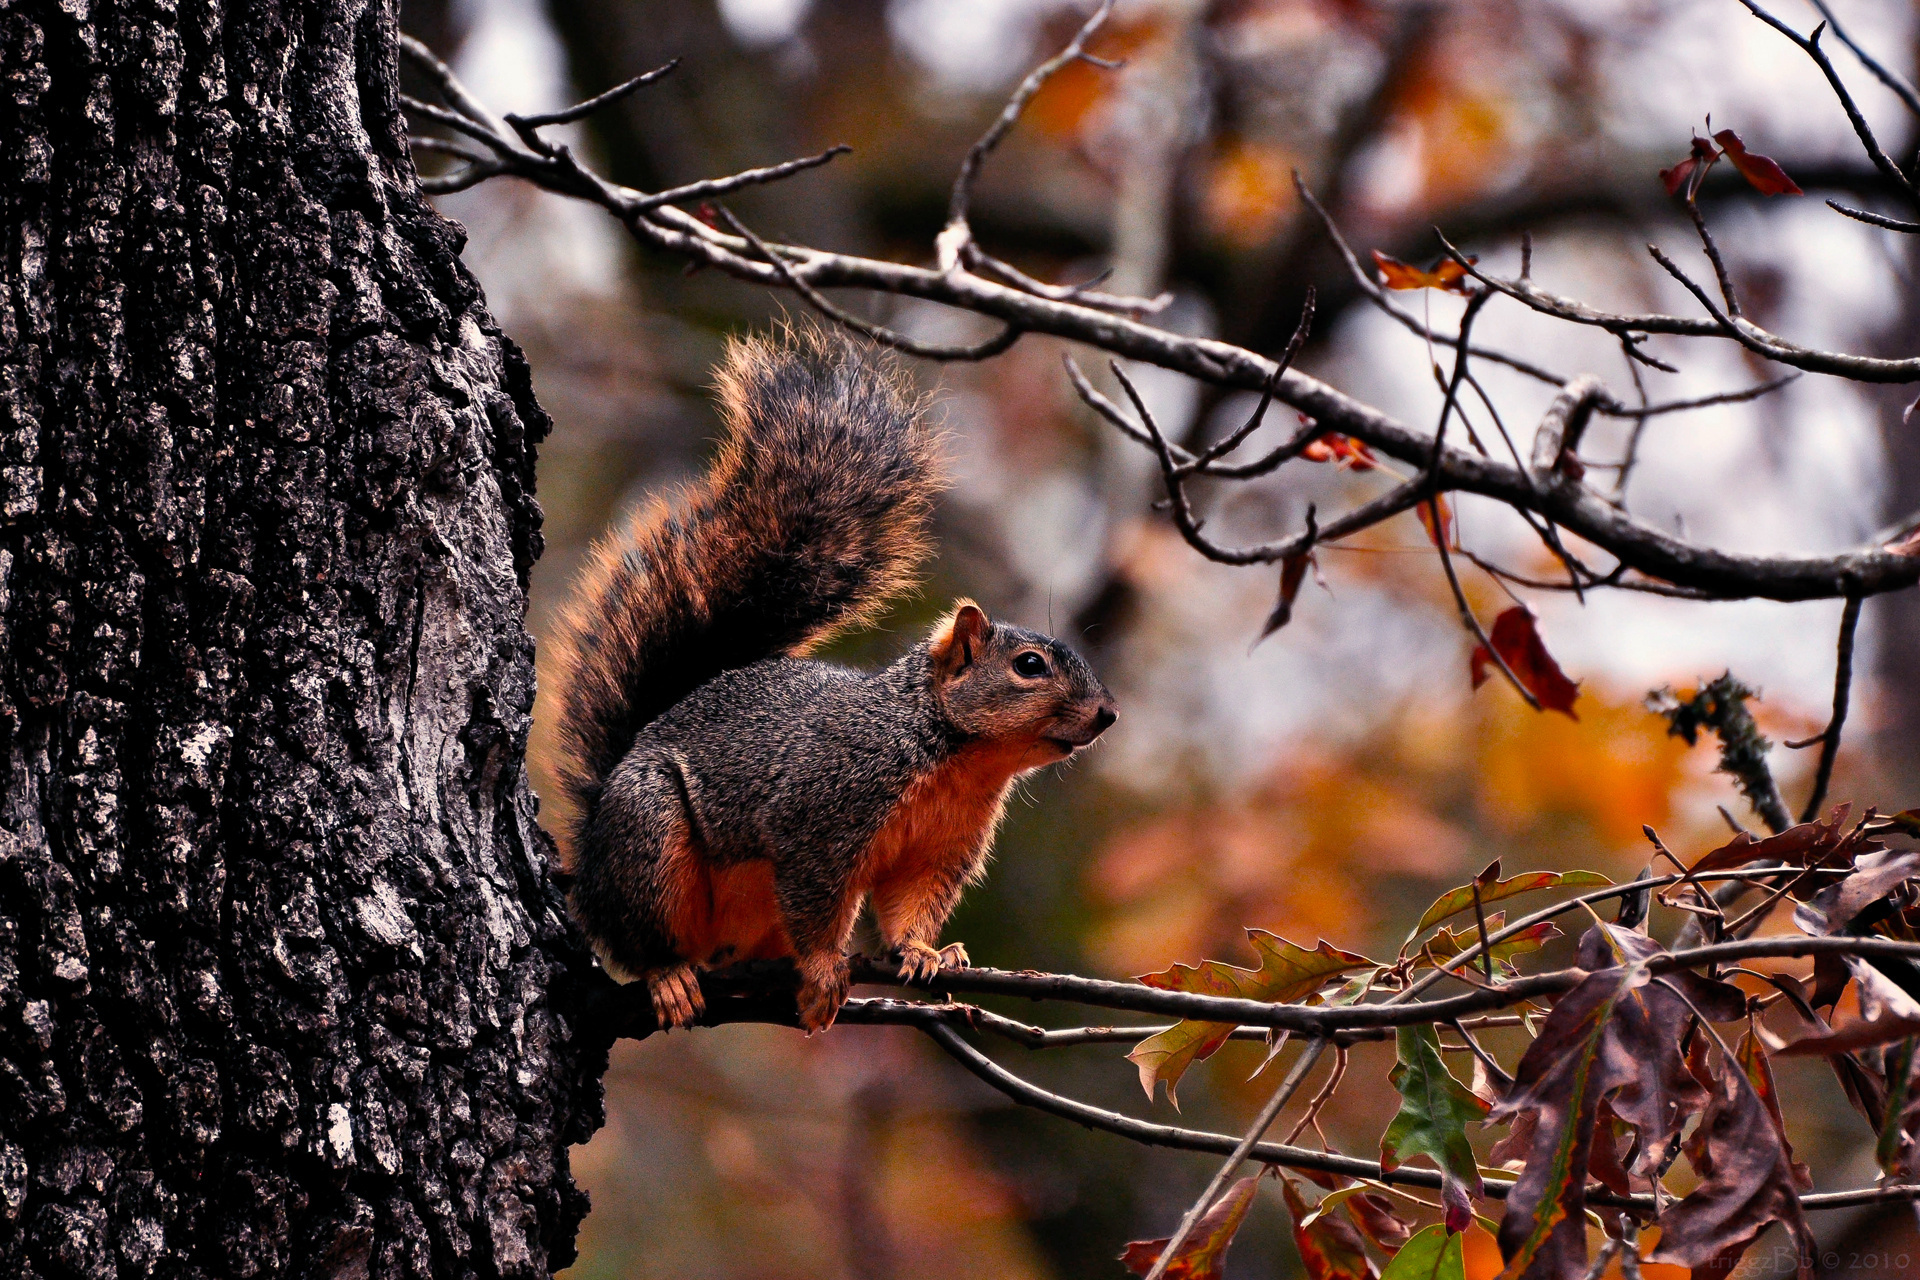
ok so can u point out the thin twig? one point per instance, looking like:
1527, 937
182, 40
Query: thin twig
1713, 256
956, 234
1842, 690
1811, 46
581, 110
879, 333
1466, 610
1874, 219
1898, 84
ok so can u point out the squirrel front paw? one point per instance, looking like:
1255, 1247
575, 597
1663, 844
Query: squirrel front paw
675, 992
823, 989
921, 963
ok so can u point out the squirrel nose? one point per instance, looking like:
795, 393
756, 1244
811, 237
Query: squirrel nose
1102, 718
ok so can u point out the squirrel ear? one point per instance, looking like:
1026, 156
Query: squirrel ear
957, 639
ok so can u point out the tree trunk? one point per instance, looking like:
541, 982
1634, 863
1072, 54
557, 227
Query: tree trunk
278, 951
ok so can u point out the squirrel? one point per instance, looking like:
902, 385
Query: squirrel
737, 799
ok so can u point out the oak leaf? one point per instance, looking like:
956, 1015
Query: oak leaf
1203, 1254
1435, 1110
1330, 1248
1286, 974
1748, 1184
1494, 889
1614, 1038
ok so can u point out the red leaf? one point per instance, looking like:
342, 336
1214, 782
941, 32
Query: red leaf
1766, 177
1329, 1247
1746, 1186
1345, 450
1293, 571
1516, 638
1676, 177
1446, 274
1203, 1254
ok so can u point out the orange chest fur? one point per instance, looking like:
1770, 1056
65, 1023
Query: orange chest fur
943, 821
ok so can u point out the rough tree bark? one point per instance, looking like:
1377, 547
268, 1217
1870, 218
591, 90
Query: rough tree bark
278, 951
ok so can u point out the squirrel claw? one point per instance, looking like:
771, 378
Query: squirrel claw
920, 963
823, 989
675, 992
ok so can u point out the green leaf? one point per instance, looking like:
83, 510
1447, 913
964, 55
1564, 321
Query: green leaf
1434, 1112
1286, 974
1434, 1254
1454, 901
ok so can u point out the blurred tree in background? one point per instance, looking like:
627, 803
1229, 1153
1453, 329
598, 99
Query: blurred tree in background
1334, 778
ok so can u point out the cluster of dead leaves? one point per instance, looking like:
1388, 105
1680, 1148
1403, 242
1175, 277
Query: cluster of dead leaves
1634, 1067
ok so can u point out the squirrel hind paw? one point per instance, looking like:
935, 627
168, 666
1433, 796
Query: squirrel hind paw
920, 963
675, 992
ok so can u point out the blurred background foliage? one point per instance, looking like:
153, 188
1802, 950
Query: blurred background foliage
1333, 779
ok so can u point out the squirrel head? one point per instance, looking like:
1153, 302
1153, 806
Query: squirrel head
1008, 684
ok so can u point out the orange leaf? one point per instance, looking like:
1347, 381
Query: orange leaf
1203, 1254
1287, 973
1516, 638
1345, 450
1446, 274
1766, 177
1446, 529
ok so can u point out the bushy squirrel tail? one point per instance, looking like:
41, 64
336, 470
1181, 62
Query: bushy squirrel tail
813, 515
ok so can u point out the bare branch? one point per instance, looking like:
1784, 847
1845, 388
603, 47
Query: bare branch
734, 182
957, 234
1372, 289
1896, 83
1811, 46
1645, 550
1874, 219
1743, 331
581, 110
879, 333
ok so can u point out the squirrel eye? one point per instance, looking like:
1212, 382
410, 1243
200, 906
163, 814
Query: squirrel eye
1030, 664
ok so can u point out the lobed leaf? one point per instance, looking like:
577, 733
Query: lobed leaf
1286, 974
1203, 1254
1747, 1185
1329, 1247
1434, 1112
1615, 1038
1447, 943
1493, 889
